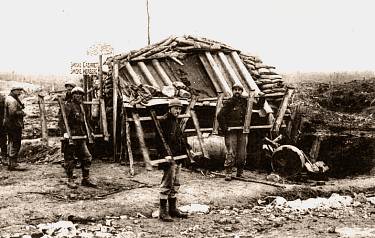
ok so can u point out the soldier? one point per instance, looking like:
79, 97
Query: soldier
177, 142
3, 135
233, 115
13, 124
69, 85
79, 148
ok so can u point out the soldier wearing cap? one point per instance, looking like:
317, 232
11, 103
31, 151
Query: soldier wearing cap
79, 148
177, 142
13, 124
233, 115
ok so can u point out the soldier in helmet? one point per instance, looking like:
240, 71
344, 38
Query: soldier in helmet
13, 124
233, 115
69, 85
79, 148
177, 142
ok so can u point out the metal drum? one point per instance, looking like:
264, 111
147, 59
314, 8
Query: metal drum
215, 146
287, 160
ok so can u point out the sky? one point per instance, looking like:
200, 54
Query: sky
45, 36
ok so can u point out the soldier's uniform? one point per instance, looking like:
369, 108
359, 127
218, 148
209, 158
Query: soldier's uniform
233, 115
3, 135
79, 148
170, 183
13, 124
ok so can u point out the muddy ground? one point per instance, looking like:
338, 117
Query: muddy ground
125, 203
122, 206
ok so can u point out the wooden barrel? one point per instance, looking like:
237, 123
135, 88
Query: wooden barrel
287, 160
215, 146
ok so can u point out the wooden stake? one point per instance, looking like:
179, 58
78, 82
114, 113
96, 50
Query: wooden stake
128, 143
103, 116
199, 134
219, 106
142, 143
114, 98
249, 111
100, 76
43, 120
281, 112
187, 112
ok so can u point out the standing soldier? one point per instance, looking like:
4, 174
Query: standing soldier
177, 142
3, 135
13, 124
69, 85
79, 148
233, 115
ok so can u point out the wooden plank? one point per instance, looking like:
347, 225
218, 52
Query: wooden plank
163, 75
114, 107
65, 119
187, 112
158, 161
210, 73
85, 137
148, 74
232, 75
128, 144
100, 76
219, 106
43, 119
103, 116
218, 75
142, 143
249, 111
250, 81
132, 74
281, 112
199, 134
159, 117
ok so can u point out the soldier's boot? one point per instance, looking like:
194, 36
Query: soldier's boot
14, 166
70, 183
239, 173
163, 211
4, 160
173, 211
228, 174
86, 181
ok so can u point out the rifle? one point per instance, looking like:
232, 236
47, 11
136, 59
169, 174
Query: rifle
88, 130
63, 113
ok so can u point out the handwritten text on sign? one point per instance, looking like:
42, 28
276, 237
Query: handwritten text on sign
85, 68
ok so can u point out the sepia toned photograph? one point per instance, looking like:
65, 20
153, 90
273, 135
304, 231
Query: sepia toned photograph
176, 118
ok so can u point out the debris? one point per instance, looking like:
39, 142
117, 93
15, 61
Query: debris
195, 208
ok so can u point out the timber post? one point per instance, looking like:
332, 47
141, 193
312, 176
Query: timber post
43, 119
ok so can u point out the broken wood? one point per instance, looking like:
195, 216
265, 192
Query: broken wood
43, 120
65, 119
141, 139
219, 106
250, 180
